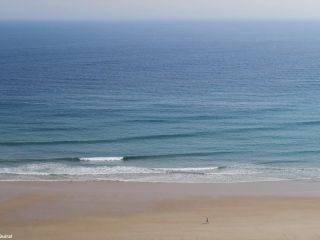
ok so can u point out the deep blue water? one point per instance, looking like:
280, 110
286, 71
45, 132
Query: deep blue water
179, 101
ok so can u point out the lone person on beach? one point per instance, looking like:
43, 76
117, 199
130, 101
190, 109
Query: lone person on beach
207, 221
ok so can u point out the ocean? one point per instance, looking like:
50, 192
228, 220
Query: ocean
160, 101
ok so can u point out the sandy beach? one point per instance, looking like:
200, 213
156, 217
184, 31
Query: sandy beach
119, 210
159, 120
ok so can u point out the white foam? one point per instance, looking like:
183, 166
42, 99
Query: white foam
101, 159
239, 173
188, 170
62, 169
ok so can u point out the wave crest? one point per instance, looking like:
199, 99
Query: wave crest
101, 159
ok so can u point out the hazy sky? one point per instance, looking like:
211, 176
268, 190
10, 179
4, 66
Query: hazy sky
158, 9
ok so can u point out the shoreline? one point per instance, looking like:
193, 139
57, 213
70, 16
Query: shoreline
272, 187
127, 210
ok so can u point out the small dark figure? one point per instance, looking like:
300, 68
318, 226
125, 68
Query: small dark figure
207, 221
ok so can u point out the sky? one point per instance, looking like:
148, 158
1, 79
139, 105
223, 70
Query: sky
158, 9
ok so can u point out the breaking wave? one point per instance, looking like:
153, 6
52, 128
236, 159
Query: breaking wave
101, 159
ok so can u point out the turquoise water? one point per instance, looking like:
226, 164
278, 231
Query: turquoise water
160, 101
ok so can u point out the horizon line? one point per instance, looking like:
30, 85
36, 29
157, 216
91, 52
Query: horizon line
170, 20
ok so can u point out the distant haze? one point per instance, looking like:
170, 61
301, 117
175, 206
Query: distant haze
157, 9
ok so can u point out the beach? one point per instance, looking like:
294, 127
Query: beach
127, 210
159, 130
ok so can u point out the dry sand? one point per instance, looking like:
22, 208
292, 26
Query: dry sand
114, 210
